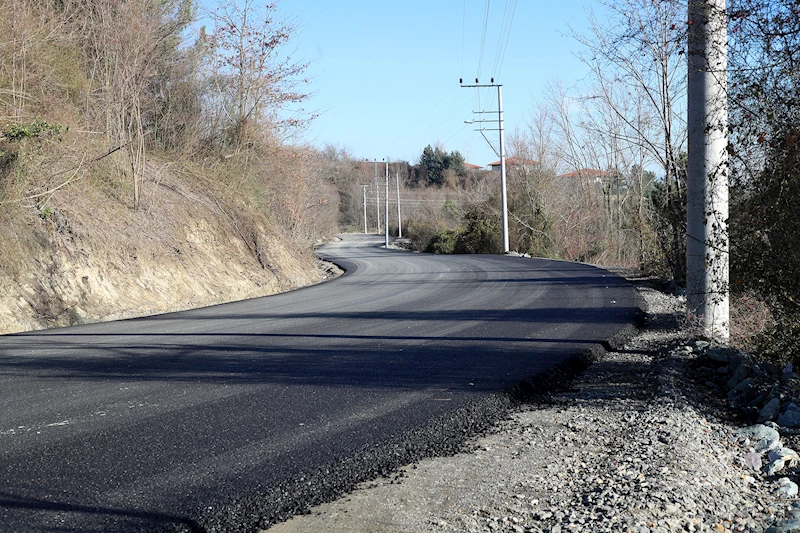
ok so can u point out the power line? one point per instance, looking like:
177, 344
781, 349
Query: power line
448, 135
508, 36
503, 25
422, 118
483, 36
463, 33
435, 122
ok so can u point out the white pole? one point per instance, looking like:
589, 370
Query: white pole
364, 187
503, 206
377, 198
399, 223
386, 217
707, 289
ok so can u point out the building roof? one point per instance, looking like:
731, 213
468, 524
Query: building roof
515, 161
470, 166
584, 173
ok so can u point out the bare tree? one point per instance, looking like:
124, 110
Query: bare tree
581, 218
636, 54
616, 122
127, 40
255, 78
27, 27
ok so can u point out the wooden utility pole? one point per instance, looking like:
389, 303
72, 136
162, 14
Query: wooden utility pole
707, 288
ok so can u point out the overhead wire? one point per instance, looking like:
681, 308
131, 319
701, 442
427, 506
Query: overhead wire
452, 133
435, 122
463, 34
503, 24
422, 118
483, 46
508, 36
483, 37
499, 58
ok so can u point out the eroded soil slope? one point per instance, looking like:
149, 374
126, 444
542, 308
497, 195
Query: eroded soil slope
79, 259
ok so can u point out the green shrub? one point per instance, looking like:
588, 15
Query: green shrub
36, 129
443, 242
482, 236
419, 234
45, 213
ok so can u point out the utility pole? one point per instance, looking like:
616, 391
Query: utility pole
501, 154
707, 246
619, 216
377, 197
364, 187
386, 217
503, 191
399, 224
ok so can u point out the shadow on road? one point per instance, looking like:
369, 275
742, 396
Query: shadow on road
90, 513
469, 359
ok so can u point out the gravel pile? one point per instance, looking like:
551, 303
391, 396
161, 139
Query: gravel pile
645, 440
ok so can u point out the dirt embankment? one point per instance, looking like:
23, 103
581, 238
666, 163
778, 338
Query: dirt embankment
69, 261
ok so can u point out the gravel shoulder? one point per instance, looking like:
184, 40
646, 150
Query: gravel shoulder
641, 441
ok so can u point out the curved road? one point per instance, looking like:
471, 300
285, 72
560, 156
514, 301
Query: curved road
229, 417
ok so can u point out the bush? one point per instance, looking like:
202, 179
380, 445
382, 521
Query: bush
443, 242
419, 234
781, 342
482, 236
36, 129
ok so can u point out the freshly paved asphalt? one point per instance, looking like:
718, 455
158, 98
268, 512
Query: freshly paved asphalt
227, 417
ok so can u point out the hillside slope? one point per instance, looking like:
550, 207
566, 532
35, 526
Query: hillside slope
72, 263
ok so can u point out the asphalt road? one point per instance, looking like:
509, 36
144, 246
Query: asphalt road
230, 417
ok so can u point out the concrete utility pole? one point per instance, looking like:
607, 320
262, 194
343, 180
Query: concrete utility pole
386, 217
501, 154
707, 288
503, 194
399, 223
377, 198
364, 187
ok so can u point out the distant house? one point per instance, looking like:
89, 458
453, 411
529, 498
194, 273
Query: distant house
514, 162
470, 166
591, 175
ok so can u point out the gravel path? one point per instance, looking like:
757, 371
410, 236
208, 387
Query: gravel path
638, 443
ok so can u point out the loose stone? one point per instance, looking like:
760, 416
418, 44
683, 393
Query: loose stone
786, 488
770, 411
790, 418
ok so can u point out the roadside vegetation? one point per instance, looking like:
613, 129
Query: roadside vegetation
101, 97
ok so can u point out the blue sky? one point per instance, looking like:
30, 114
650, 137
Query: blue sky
385, 74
